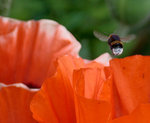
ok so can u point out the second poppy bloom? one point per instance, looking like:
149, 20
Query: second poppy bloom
80, 92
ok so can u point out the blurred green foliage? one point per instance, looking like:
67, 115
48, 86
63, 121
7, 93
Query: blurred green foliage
5, 7
129, 12
82, 17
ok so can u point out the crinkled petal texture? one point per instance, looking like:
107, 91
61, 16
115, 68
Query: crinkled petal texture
74, 96
14, 103
92, 95
87, 93
28, 49
131, 89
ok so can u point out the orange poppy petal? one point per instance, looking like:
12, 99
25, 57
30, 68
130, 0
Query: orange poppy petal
92, 95
139, 115
55, 102
28, 49
131, 83
14, 104
92, 111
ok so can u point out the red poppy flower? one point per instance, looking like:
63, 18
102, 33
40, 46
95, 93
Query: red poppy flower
28, 51
80, 90
93, 93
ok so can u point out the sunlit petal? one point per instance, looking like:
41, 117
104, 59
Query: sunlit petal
28, 49
92, 95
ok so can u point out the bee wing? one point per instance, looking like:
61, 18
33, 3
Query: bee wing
100, 36
128, 38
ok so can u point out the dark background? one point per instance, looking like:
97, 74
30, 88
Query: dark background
82, 17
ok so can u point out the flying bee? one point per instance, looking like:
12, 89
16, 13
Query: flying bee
114, 41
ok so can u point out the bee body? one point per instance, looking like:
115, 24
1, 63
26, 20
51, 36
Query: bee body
115, 44
114, 41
